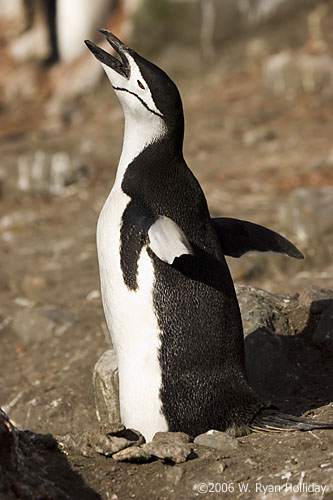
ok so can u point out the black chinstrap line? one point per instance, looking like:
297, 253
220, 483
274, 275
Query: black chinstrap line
141, 100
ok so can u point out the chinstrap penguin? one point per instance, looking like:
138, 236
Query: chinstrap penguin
168, 296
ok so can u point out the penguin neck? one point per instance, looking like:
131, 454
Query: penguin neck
139, 135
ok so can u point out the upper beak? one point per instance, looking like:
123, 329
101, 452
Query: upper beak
121, 66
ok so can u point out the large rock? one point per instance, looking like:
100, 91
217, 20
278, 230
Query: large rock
106, 388
272, 324
315, 299
261, 309
31, 466
312, 302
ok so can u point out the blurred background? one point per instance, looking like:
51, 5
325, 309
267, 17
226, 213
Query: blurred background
257, 86
256, 80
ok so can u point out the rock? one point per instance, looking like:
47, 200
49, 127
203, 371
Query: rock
39, 172
4, 321
269, 370
62, 318
92, 441
314, 71
256, 50
261, 309
133, 436
174, 474
56, 170
35, 325
32, 326
106, 388
278, 74
293, 69
177, 437
33, 284
77, 443
32, 467
215, 21
15, 221
7, 434
311, 303
13, 12
307, 218
4, 280
254, 136
323, 334
246, 269
108, 445
22, 84
46, 440
113, 428
315, 298
132, 454
218, 440
93, 295
31, 46
169, 449
69, 83
127, 444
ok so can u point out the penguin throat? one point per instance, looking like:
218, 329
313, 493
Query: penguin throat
141, 100
137, 137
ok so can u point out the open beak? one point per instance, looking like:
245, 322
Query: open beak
120, 66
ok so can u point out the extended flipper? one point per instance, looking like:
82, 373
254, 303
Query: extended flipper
167, 240
238, 237
271, 420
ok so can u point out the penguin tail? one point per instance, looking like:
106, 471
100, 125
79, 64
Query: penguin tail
270, 420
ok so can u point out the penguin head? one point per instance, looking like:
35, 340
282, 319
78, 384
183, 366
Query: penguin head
144, 90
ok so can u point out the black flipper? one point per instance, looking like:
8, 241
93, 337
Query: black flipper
270, 420
238, 237
165, 238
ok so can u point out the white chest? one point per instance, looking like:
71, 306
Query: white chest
132, 323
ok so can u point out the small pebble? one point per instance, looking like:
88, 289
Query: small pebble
132, 454
218, 440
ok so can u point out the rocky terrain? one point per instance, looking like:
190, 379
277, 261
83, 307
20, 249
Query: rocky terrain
262, 152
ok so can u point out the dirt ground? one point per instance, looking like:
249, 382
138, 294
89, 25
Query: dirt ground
51, 320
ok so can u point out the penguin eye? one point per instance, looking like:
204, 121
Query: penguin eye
141, 85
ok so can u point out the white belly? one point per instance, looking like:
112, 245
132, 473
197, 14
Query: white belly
132, 324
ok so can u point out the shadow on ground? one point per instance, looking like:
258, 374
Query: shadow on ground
292, 371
